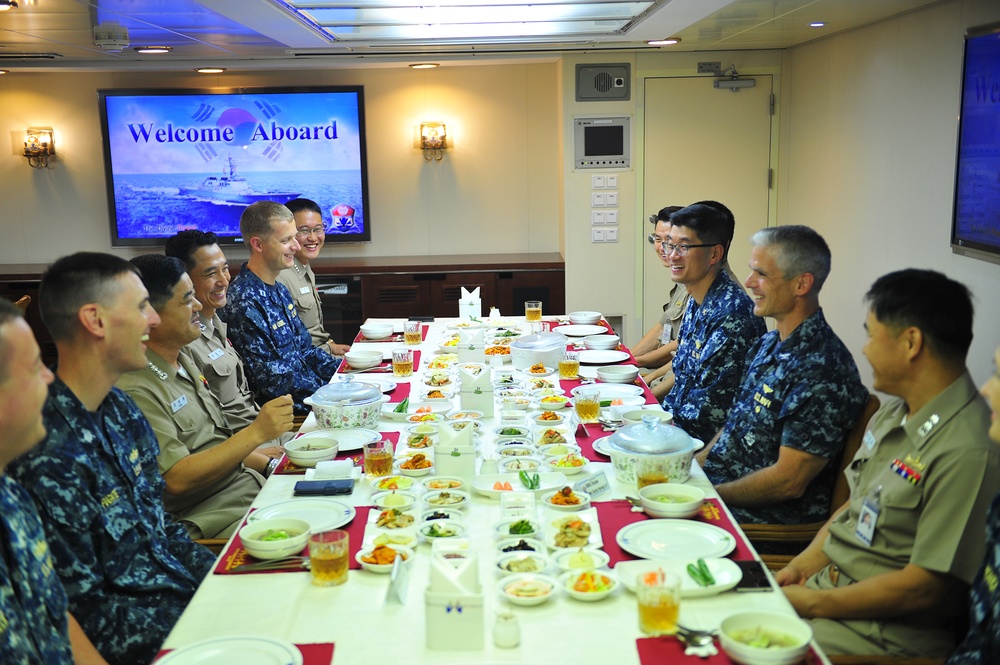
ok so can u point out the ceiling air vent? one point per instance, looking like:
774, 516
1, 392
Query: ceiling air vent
29, 56
603, 83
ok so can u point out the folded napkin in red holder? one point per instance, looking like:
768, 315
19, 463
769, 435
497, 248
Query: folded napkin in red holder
237, 555
615, 515
668, 650
312, 654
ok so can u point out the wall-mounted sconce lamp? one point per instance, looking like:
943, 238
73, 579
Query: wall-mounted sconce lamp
39, 146
433, 140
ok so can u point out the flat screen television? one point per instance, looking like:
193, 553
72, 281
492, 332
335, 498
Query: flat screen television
180, 159
975, 229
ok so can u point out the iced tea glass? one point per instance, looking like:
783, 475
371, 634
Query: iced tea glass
587, 403
659, 597
533, 310
329, 557
402, 362
412, 332
378, 459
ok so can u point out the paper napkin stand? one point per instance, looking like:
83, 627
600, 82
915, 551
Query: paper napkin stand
470, 305
476, 391
471, 348
455, 453
453, 600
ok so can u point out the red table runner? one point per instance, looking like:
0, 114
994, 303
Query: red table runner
236, 554
668, 650
614, 515
312, 654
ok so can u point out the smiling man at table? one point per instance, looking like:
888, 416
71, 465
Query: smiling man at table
718, 327
128, 569
801, 394
264, 324
888, 572
212, 473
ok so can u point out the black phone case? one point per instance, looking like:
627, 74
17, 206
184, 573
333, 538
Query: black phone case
324, 487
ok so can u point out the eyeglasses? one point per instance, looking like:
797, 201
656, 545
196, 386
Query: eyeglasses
670, 248
305, 233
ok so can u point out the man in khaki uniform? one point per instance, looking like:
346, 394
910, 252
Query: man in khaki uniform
212, 474
300, 279
889, 571
218, 361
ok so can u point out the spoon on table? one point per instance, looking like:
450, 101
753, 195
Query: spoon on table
698, 642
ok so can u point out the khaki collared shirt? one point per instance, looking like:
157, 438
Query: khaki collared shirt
301, 283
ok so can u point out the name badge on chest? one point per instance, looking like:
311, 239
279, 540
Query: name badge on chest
868, 516
178, 404
304, 289
215, 355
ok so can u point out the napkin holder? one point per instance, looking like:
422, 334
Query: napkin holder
478, 400
470, 305
471, 348
455, 453
454, 614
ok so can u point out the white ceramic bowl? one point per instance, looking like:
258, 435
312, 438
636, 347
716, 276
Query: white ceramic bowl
519, 403
602, 342
569, 579
536, 545
569, 559
502, 528
585, 318
522, 562
512, 431
363, 359
455, 499
527, 588
618, 373
681, 500
441, 514
398, 467
785, 625
442, 483
569, 464
518, 464
583, 505
558, 449
310, 449
400, 500
251, 534
390, 483
549, 421
376, 330
552, 402
515, 450
401, 550
466, 414
441, 529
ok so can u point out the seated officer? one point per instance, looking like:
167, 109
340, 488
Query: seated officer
718, 328
889, 572
800, 396
212, 473
264, 325
218, 361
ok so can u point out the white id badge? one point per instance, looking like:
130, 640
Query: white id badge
865, 530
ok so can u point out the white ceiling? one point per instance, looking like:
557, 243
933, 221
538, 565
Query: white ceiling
264, 34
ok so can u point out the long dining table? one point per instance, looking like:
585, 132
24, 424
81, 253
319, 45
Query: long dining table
358, 622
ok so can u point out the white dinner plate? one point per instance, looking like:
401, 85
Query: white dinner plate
322, 514
580, 330
237, 650
603, 445
726, 573
551, 520
675, 539
610, 391
385, 385
483, 483
353, 438
601, 357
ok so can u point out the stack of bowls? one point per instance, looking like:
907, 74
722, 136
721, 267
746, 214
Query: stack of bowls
585, 318
601, 342
618, 374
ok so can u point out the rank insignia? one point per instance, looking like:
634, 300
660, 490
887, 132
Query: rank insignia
905, 471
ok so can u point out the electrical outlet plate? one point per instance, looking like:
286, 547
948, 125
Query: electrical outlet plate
709, 67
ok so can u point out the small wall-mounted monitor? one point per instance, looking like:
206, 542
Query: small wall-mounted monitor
602, 143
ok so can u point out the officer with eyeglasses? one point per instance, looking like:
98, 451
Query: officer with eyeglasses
300, 280
718, 327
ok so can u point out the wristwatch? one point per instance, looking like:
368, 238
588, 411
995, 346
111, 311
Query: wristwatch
272, 464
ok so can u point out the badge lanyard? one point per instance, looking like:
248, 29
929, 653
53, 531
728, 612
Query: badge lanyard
870, 508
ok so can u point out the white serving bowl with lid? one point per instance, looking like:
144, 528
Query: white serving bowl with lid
346, 403
651, 438
541, 348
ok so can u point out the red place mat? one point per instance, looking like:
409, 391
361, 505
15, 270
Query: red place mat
236, 554
312, 654
395, 337
286, 467
614, 515
400, 392
668, 650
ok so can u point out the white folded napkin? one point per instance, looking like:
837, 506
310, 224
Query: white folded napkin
334, 470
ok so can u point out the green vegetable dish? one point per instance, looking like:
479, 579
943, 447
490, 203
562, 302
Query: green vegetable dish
700, 573
763, 639
521, 527
277, 534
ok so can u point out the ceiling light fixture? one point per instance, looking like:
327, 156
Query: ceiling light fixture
6, 5
4, 71
817, 24
669, 41
210, 70
425, 65
153, 49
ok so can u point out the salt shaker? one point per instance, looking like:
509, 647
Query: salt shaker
506, 631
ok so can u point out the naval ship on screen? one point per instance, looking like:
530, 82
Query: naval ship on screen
231, 187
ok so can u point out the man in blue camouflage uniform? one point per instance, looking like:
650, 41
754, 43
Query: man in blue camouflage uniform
33, 607
718, 328
799, 398
264, 325
888, 573
981, 645
127, 568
